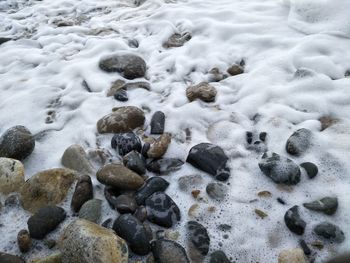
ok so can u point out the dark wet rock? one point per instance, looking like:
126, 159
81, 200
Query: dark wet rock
198, 236
262, 136
82, 193
91, 210
299, 141
219, 257
11, 175
167, 251
211, 159
119, 177
165, 165
17, 143
224, 227
24, 241
330, 231
133, 231
157, 123
126, 142
177, 40
129, 65
202, 91
8, 258
304, 247
217, 191
151, 185
146, 146
281, 201
75, 158
249, 137
327, 205
141, 213
111, 195
45, 220
12, 200
107, 223
4, 40
135, 162
125, 204
294, 222
280, 169
310, 168
121, 95
235, 70
160, 146
122, 119
162, 210
189, 182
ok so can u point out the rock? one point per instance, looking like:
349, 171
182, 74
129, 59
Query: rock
195, 193
295, 255
54, 258
135, 162
24, 241
133, 231
177, 40
12, 200
11, 175
82, 193
119, 177
299, 141
280, 169
330, 231
125, 204
294, 222
211, 159
189, 182
260, 213
160, 146
48, 187
45, 220
217, 191
123, 119
75, 158
130, 66
167, 251
198, 236
85, 242
327, 121
203, 91
235, 70
327, 205
162, 210
345, 258
157, 123
310, 168
7, 258
152, 185
165, 165
126, 142
121, 95
305, 247
219, 257
16, 143
4, 40
116, 86
91, 210
141, 213
137, 85
215, 75
111, 195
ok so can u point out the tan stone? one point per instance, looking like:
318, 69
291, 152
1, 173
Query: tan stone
203, 91
295, 255
160, 146
11, 175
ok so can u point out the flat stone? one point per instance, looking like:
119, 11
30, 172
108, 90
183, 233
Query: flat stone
326, 205
330, 232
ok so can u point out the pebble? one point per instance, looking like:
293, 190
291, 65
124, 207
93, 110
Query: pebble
219, 257
295, 255
202, 91
160, 146
235, 70
24, 241
165, 165
188, 182
91, 210
299, 141
75, 158
330, 231
304, 247
82, 193
168, 251
157, 123
177, 40
125, 204
141, 213
11, 175
135, 162
198, 236
310, 168
111, 195
217, 191
294, 222
326, 205
151, 185
121, 95
126, 142
8, 258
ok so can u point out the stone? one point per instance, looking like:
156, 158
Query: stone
165, 165
217, 191
202, 91
4, 40
141, 213
11, 175
345, 258
126, 142
111, 195
45, 220
91, 210
299, 141
121, 95
260, 213
135, 162
219, 257
116, 86
280, 169
160, 146
293, 221
83, 192
53, 258
330, 232
326, 205
327, 121
8, 258
235, 70
305, 247
211, 159
130, 66
125, 204
16, 143
75, 158
48, 187
24, 241
162, 210
134, 232
310, 168
151, 185
177, 40
168, 251
188, 182
295, 255
119, 177
158, 123
122, 119
13, 200
85, 242
198, 237
215, 75
137, 85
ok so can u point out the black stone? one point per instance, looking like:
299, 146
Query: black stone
151, 185
327, 205
330, 231
125, 204
141, 213
305, 247
217, 191
145, 149
281, 201
45, 220
121, 95
7, 258
294, 221
165, 165
135, 162
219, 257
4, 40
310, 168
83, 192
167, 251
157, 123
198, 236
107, 223
249, 136
111, 195
299, 142
262, 136
126, 142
